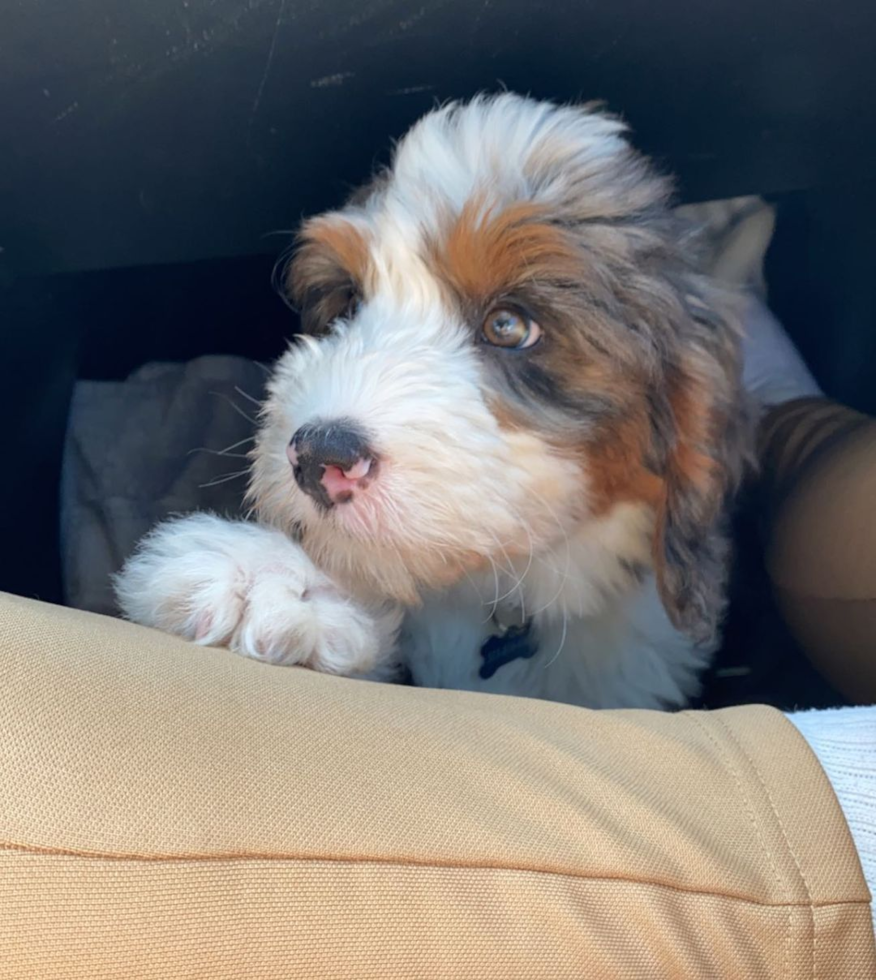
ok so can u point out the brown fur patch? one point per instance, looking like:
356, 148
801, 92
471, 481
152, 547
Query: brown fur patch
696, 425
584, 367
617, 471
703, 467
519, 252
488, 253
331, 266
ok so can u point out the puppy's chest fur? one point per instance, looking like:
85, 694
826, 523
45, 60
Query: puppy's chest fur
597, 634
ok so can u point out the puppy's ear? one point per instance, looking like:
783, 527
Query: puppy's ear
324, 274
706, 452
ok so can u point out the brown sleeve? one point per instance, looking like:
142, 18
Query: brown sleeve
172, 811
819, 469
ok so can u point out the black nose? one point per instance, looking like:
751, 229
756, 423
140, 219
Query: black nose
314, 447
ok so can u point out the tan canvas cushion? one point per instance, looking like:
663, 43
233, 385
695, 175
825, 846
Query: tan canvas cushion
168, 811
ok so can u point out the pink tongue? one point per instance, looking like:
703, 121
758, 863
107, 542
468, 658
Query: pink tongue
361, 469
338, 482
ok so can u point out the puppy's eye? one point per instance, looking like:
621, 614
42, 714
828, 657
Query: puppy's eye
354, 304
509, 328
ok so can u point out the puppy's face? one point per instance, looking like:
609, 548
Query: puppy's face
504, 344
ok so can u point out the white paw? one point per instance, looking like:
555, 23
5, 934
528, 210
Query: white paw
251, 589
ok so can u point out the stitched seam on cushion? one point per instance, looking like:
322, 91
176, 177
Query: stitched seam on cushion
794, 858
752, 816
427, 866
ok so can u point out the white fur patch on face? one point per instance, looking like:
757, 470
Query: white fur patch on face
453, 490
497, 145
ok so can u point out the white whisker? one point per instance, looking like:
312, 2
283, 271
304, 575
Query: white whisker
240, 442
562, 641
217, 452
564, 575
495, 603
518, 586
237, 408
474, 586
248, 397
223, 479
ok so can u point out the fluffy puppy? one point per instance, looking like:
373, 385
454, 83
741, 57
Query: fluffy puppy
500, 455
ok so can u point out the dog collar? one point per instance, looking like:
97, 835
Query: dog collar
511, 643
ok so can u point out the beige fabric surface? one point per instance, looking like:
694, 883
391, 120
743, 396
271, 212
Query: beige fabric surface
168, 811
